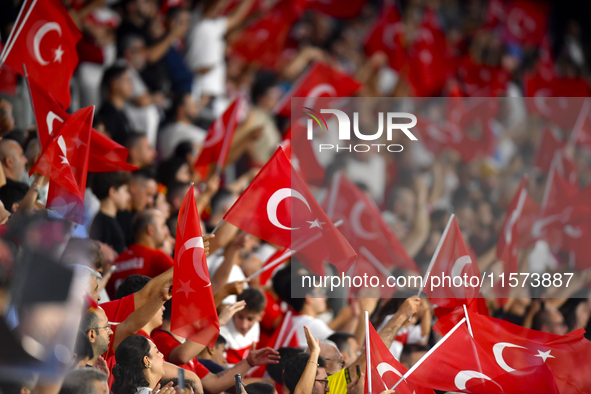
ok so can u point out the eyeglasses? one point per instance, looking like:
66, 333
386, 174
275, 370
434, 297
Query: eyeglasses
98, 328
325, 381
341, 361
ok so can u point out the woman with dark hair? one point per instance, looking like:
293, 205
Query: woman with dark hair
139, 367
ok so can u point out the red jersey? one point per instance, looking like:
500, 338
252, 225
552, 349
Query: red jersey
271, 319
165, 343
119, 310
138, 259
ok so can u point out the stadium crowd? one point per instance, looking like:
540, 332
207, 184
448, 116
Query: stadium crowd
160, 72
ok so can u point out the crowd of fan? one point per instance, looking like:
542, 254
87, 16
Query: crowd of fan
158, 74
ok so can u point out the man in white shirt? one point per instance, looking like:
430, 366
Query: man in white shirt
313, 305
206, 47
184, 110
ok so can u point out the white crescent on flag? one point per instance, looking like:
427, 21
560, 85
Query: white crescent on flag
43, 30
274, 201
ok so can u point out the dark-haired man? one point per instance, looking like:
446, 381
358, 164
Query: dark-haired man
141, 153
112, 190
118, 88
143, 257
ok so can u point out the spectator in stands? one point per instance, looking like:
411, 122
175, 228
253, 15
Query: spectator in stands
183, 113
117, 90
306, 373
83, 352
260, 388
141, 152
144, 256
85, 381
243, 330
13, 161
143, 190
549, 320
213, 358
96, 327
347, 345
112, 189
276, 370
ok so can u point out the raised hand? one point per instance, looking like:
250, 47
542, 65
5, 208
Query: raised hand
312, 342
262, 356
229, 311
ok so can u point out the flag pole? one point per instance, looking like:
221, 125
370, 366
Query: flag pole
285, 255
550, 180
18, 17
18, 31
441, 240
580, 121
418, 363
32, 104
217, 226
374, 261
468, 321
367, 352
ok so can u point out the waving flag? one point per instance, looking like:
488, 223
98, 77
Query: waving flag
388, 36
363, 224
453, 260
219, 138
472, 370
515, 348
194, 315
383, 370
339, 9
299, 146
278, 208
262, 42
320, 80
45, 41
105, 155
64, 160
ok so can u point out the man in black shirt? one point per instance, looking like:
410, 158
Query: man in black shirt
112, 189
117, 88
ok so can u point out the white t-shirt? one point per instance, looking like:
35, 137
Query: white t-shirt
213, 263
175, 133
318, 328
206, 48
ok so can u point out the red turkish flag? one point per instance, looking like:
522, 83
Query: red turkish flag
363, 224
193, 314
548, 146
564, 208
309, 169
430, 63
388, 36
555, 99
458, 363
515, 348
64, 160
45, 41
452, 259
482, 80
105, 154
527, 22
263, 41
508, 239
299, 223
384, 370
219, 138
320, 80
339, 9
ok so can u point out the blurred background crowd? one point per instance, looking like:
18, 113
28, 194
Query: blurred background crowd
159, 72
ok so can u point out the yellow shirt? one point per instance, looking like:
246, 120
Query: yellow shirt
337, 383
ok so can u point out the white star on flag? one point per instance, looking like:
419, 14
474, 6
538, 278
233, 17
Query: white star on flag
58, 54
186, 288
544, 355
316, 223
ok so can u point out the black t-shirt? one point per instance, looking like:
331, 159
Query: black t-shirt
106, 229
125, 220
116, 122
